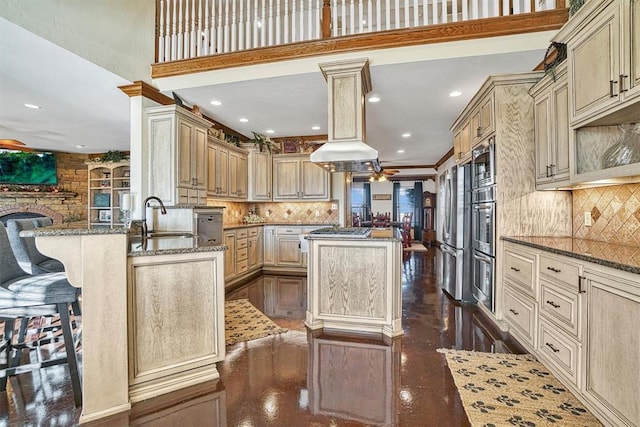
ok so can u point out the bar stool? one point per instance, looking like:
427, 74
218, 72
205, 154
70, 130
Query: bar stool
26, 252
23, 296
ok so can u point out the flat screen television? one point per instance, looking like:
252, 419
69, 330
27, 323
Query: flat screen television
28, 167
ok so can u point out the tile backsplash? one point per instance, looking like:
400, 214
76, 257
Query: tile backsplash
615, 213
305, 212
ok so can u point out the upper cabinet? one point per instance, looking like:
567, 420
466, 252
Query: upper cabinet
176, 162
227, 170
603, 48
473, 128
552, 132
260, 174
295, 177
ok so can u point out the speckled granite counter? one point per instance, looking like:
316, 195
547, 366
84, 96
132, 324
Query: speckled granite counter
626, 258
390, 234
169, 246
80, 228
286, 224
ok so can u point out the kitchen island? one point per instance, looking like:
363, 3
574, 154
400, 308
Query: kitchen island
355, 281
144, 307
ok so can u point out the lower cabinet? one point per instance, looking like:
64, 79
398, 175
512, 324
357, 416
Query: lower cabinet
245, 253
582, 324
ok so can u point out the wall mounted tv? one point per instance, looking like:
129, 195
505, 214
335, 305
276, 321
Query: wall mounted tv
27, 167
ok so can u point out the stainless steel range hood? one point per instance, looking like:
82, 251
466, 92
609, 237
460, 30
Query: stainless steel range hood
345, 151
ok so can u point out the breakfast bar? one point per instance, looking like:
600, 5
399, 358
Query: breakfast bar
354, 280
132, 288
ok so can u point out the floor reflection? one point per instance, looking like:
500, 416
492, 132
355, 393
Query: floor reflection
300, 379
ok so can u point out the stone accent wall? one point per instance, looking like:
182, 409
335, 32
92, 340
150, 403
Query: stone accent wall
615, 213
63, 206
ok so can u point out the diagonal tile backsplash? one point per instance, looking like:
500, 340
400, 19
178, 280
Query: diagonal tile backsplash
615, 214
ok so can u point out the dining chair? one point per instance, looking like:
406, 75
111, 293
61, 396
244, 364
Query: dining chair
24, 296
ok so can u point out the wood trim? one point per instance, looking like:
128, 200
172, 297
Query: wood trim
444, 158
140, 88
456, 31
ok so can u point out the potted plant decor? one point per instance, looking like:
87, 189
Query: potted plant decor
261, 141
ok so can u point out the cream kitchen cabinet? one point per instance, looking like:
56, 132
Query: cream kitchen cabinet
295, 177
612, 344
260, 174
218, 160
482, 121
462, 143
552, 131
227, 170
269, 245
176, 155
474, 128
604, 60
255, 248
229, 238
288, 253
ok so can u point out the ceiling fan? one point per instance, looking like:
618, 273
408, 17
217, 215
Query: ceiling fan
13, 144
382, 175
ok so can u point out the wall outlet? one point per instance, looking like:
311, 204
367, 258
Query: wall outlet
587, 219
317, 213
334, 206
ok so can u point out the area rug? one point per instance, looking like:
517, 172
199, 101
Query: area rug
244, 322
513, 390
416, 247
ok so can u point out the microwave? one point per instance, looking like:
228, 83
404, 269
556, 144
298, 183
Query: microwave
483, 164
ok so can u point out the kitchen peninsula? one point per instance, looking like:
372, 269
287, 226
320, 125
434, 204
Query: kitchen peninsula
129, 291
354, 280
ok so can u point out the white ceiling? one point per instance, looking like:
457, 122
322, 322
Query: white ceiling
83, 106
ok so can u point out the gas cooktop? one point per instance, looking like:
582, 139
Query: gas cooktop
342, 232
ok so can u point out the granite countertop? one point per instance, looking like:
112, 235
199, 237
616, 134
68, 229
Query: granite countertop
79, 228
621, 257
286, 224
391, 234
169, 246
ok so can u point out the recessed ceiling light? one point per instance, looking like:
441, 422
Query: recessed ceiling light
34, 106
80, 146
400, 151
244, 119
374, 98
406, 135
270, 131
455, 93
216, 102
315, 127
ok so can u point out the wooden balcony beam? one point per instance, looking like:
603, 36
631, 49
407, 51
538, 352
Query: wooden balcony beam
455, 31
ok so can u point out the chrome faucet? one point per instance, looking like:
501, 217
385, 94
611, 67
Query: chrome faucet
145, 204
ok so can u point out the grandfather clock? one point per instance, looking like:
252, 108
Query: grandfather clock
428, 218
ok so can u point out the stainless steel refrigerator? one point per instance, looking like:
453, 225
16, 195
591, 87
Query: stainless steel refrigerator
456, 233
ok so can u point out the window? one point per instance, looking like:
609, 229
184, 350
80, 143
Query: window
358, 203
406, 203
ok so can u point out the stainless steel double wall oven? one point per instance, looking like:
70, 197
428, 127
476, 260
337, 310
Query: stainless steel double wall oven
483, 223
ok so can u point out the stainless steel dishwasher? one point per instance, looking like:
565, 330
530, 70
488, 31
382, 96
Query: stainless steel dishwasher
207, 226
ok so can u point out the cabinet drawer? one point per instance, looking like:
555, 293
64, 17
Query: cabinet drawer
242, 243
520, 313
561, 306
560, 270
253, 231
241, 233
241, 254
242, 267
520, 268
560, 350
282, 231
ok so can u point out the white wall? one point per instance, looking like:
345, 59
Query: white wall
117, 35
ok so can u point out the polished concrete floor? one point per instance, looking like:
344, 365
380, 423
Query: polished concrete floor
303, 379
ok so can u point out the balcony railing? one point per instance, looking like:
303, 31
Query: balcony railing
196, 28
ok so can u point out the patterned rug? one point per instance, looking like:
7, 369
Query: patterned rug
244, 322
513, 390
